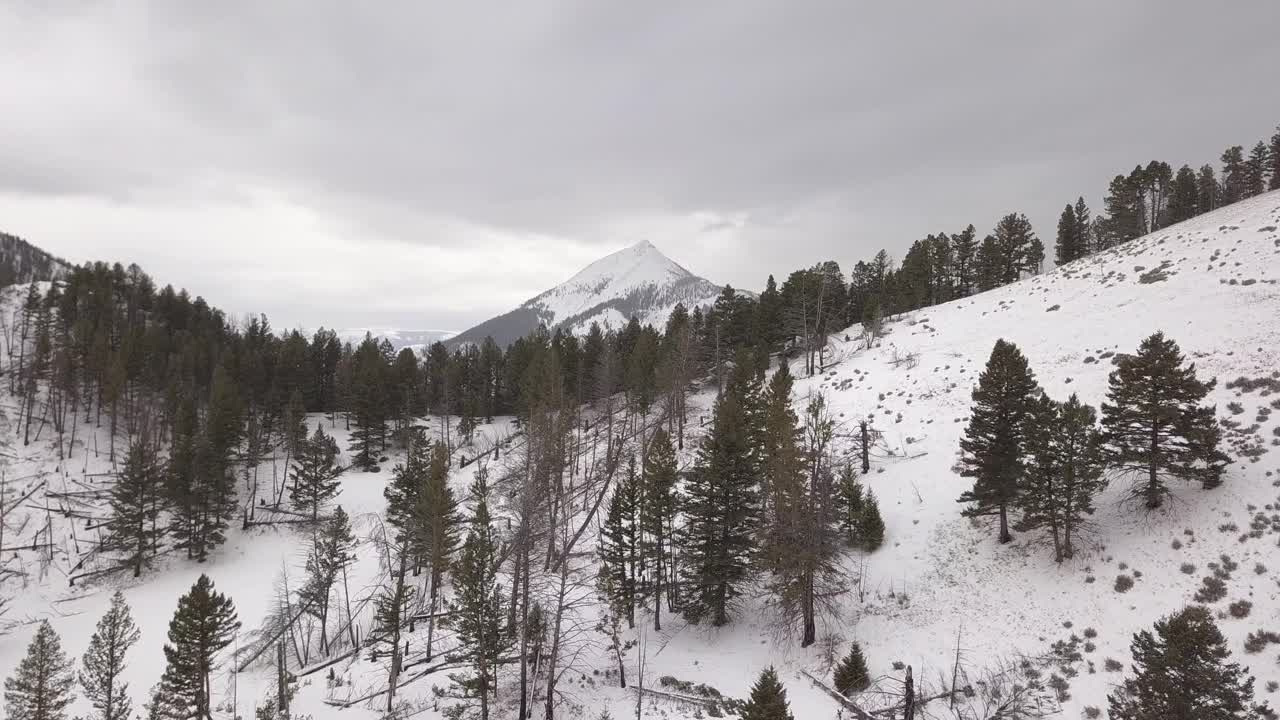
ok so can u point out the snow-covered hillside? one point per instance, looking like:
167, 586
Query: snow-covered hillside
637, 281
1212, 284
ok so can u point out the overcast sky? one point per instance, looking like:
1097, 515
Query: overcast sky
345, 164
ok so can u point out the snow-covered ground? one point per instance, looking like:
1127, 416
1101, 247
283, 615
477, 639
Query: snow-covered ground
1211, 284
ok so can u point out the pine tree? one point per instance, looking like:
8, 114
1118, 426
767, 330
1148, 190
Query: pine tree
851, 505
1018, 249
1063, 471
103, 663
964, 248
870, 523
1274, 152
768, 699
851, 674
1069, 246
136, 502
41, 686
657, 517
408, 482
477, 604
721, 502
617, 551
1153, 425
437, 523
314, 474
1255, 170
1234, 175
1125, 210
1208, 191
1182, 671
988, 265
368, 405
1184, 196
204, 625
991, 451
332, 552
1083, 231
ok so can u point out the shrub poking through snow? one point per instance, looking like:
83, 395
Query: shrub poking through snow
1123, 583
1240, 609
1212, 590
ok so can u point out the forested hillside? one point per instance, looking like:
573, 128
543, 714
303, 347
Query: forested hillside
958, 487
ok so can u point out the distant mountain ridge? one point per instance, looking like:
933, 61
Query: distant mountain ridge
22, 262
636, 281
414, 339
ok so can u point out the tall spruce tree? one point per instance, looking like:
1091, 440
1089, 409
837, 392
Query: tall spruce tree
204, 624
721, 502
1153, 425
991, 451
1208, 190
870, 523
617, 548
768, 699
851, 504
1063, 471
103, 663
40, 688
1183, 671
1084, 227
477, 605
136, 501
368, 404
315, 474
1018, 249
1069, 246
657, 518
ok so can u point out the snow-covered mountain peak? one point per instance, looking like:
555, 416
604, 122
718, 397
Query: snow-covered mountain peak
638, 281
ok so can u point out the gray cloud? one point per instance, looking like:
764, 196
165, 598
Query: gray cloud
793, 131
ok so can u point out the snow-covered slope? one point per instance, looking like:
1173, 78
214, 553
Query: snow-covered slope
1212, 284
638, 281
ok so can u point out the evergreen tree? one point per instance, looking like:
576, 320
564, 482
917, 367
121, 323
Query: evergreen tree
1274, 152
314, 474
964, 248
40, 688
204, 624
617, 551
851, 674
1070, 245
1183, 671
1084, 227
851, 504
721, 502
988, 265
1018, 249
408, 482
1153, 425
332, 552
368, 405
477, 604
1126, 212
870, 523
1063, 470
136, 501
103, 663
1234, 175
391, 610
768, 699
991, 451
657, 517
1255, 170
437, 522
1184, 196
1208, 191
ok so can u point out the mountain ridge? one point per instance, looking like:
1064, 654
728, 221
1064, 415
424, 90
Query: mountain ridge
636, 281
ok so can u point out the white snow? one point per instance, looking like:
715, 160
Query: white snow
936, 576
